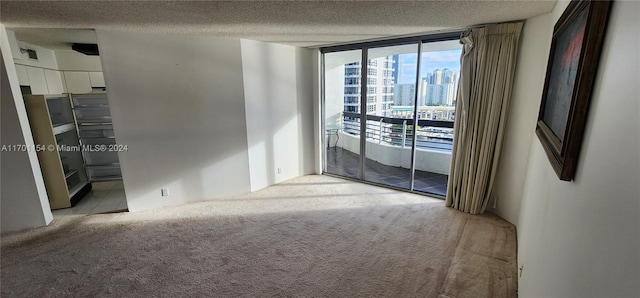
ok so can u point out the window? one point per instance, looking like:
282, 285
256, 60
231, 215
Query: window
352, 109
351, 99
352, 81
351, 90
352, 71
393, 87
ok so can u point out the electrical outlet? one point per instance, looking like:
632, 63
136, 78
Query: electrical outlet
279, 170
164, 192
495, 202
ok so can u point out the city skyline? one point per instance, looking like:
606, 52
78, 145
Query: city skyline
430, 61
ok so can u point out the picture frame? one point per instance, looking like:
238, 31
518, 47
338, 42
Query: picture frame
571, 70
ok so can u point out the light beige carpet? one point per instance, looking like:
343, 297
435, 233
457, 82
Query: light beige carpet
313, 236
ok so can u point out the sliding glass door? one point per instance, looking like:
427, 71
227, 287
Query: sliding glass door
391, 90
439, 75
342, 72
389, 121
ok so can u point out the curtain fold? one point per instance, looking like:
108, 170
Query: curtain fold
486, 78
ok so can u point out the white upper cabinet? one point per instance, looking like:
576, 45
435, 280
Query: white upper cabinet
97, 79
37, 80
54, 81
77, 82
23, 77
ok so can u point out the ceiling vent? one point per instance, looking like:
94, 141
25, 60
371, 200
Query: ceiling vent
90, 49
31, 53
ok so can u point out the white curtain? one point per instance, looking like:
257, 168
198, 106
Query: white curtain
486, 77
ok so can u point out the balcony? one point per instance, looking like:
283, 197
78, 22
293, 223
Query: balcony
388, 151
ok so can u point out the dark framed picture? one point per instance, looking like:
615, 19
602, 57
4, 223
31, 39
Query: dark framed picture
573, 62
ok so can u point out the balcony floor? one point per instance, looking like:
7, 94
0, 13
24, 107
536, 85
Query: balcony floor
346, 163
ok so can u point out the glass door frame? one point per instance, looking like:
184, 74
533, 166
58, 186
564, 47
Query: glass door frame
364, 47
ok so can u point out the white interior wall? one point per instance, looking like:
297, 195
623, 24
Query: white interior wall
279, 111
305, 75
579, 238
177, 102
74, 61
529, 78
23, 198
317, 107
46, 57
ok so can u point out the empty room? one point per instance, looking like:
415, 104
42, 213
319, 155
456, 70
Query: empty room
320, 148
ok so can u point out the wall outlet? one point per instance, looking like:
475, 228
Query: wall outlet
164, 192
279, 170
495, 202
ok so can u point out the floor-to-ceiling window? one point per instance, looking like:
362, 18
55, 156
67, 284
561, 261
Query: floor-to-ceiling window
389, 121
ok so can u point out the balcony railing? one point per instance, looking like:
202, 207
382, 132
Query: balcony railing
431, 134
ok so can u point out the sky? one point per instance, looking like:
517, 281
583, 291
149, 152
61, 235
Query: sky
430, 62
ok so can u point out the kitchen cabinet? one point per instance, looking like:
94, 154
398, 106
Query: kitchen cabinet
23, 77
54, 81
97, 79
78, 82
37, 80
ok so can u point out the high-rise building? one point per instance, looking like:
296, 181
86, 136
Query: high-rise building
380, 86
404, 94
436, 95
439, 88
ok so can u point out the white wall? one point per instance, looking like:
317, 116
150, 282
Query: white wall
74, 61
177, 102
317, 107
23, 198
580, 238
46, 57
523, 115
279, 111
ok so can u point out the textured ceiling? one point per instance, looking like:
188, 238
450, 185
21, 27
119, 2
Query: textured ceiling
298, 23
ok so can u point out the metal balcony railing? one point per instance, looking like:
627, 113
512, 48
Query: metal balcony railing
431, 134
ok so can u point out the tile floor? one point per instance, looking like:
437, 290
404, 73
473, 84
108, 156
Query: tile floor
346, 163
104, 197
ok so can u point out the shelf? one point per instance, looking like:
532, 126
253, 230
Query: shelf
67, 175
96, 106
106, 178
76, 189
105, 166
84, 137
78, 192
101, 159
63, 128
96, 120
92, 126
93, 99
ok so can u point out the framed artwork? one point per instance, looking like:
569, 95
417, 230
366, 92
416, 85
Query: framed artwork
571, 69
